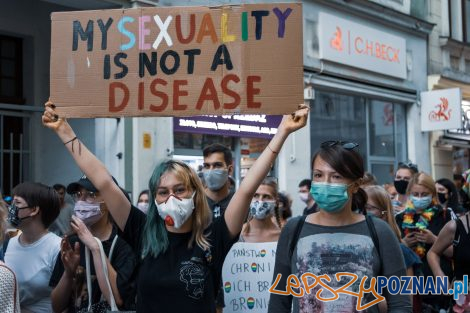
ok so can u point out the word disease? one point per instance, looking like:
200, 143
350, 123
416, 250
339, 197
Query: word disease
174, 62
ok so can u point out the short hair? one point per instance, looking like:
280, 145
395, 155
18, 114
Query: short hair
306, 182
409, 166
42, 196
58, 187
459, 177
217, 147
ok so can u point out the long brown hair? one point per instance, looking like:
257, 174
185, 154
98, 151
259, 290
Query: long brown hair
380, 196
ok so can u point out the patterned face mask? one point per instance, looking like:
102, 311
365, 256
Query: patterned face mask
262, 209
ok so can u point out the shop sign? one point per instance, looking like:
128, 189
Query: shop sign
178, 61
441, 109
250, 126
360, 46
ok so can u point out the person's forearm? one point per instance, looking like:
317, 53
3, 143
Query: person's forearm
60, 295
434, 263
102, 278
236, 212
95, 170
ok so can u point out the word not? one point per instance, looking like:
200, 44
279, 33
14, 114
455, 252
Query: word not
178, 90
206, 28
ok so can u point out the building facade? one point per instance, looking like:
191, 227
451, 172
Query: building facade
449, 67
367, 94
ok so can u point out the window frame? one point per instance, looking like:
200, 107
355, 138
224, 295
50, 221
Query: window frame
18, 76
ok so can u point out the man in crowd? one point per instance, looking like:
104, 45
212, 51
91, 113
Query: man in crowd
61, 225
306, 197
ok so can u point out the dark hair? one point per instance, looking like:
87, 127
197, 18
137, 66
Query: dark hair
306, 182
217, 147
453, 201
42, 196
58, 187
286, 210
143, 192
349, 164
409, 166
459, 177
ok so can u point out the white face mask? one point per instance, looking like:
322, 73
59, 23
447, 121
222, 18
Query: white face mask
262, 209
143, 206
89, 213
175, 212
304, 196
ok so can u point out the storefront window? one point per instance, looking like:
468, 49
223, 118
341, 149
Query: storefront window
378, 127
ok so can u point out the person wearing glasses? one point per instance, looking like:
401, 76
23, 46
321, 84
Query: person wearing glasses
379, 205
92, 219
336, 238
402, 176
420, 223
32, 255
181, 248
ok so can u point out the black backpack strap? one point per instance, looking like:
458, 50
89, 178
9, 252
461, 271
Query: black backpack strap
298, 229
458, 228
375, 238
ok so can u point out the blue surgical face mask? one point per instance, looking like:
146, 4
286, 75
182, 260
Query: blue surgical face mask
330, 197
421, 203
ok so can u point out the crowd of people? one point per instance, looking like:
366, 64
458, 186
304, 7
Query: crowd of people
100, 252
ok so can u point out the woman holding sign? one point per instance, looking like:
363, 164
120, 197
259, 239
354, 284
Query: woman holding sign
181, 249
335, 240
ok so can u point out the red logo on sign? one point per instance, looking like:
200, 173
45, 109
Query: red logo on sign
443, 112
337, 41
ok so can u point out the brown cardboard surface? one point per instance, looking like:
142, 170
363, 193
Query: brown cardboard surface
272, 64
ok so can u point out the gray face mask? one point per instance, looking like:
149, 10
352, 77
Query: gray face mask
215, 179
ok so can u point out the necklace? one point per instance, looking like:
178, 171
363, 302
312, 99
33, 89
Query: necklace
423, 223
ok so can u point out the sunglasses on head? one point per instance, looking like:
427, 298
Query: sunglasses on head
345, 144
409, 165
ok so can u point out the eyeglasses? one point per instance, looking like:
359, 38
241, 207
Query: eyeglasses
87, 196
409, 165
370, 207
345, 144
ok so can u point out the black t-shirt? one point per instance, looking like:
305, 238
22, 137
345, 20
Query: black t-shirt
218, 208
310, 210
123, 261
180, 279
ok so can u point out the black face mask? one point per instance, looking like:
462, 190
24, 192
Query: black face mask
13, 217
400, 186
442, 197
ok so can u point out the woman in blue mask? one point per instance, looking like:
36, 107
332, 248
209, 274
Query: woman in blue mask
336, 239
420, 223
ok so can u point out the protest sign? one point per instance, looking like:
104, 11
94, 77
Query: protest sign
178, 61
247, 275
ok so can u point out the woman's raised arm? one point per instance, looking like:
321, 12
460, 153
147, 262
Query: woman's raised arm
237, 209
94, 169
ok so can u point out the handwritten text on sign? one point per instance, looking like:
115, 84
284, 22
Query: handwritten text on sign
247, 275
178, 61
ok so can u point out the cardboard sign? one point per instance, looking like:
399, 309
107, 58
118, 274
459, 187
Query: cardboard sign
441, 109
178, 61
247, 275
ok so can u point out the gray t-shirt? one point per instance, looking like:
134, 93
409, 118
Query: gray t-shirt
332, 249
